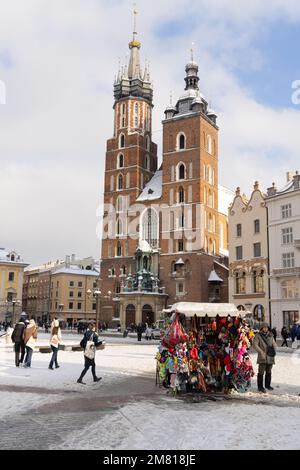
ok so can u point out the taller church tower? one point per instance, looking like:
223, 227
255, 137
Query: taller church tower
131, 161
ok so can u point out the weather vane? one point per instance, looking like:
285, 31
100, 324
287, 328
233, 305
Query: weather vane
192, 51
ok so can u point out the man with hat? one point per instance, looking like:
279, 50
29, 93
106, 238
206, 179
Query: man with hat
265, 345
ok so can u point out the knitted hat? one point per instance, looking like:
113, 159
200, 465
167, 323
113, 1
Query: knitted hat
264, 325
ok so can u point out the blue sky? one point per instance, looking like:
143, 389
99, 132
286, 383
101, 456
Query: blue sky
279, 47
58, 60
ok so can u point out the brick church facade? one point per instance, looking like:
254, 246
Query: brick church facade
164, 239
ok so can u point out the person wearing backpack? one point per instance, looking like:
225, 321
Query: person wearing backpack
265, 345
18, 340
55, 341
89, 344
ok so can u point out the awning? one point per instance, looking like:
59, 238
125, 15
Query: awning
190, 309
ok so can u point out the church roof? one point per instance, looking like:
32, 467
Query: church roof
153, 189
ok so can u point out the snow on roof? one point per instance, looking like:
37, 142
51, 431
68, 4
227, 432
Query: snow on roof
214, 277
226, 197
78, 272
153, 189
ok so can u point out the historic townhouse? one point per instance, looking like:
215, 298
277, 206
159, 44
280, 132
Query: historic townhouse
248, 254
284, 246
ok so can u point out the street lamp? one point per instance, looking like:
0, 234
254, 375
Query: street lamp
98, 295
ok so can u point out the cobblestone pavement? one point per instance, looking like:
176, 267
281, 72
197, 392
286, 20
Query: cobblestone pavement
49, 424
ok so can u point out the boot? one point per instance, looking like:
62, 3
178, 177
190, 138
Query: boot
260, 381
79, 381
97, 379
268, 382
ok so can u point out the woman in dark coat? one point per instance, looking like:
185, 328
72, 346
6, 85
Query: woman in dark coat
89, 356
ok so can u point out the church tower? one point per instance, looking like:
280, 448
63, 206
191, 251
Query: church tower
190, 188
131, 161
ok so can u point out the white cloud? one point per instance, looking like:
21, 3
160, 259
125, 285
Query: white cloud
64, 56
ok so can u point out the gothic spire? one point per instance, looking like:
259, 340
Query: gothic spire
134, 69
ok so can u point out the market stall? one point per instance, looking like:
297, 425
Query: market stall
205, 349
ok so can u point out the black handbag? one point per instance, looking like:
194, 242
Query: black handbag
271, 352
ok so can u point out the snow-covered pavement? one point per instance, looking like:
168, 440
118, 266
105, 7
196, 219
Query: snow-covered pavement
135, 414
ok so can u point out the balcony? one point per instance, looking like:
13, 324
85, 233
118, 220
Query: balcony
297, 244
286, 272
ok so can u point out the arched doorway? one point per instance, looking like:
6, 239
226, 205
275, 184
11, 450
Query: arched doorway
147, 315
130, 315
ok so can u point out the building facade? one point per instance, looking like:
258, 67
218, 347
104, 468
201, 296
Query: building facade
63, 289
161, 230
11, 284
248, 254
284, 245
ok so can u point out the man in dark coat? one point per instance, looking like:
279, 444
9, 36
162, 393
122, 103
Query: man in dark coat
90, 336
285, 335
18, 340
265, 345
139, 331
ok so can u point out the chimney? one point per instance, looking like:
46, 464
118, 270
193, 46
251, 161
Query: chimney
272, 191
68, 259
73, 258
297, 180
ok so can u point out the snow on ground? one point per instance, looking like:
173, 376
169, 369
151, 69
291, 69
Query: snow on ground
257, 421
115, 362
16, 403
179, 426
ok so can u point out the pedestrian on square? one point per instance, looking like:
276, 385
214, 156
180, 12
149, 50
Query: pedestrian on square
264, 344
285, 335
55, 341
139, 331
18, 340
30, 337
89, 344
274, 332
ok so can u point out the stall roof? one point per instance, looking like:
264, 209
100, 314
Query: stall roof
189, 309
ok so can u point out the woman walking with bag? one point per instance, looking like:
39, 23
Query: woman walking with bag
55, 341
89, 344
30, 337
265, 345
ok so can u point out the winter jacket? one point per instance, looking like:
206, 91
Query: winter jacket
30, 332
261, 347
284, 333
17, 335
55, 339
87, 337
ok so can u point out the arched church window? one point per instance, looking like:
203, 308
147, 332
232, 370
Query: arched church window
150, 225
209, 144
122, 141
119, 227
119, 249
120, 163
136, 115
120, 204
181, 195
120, 182
181, 171
181, 141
